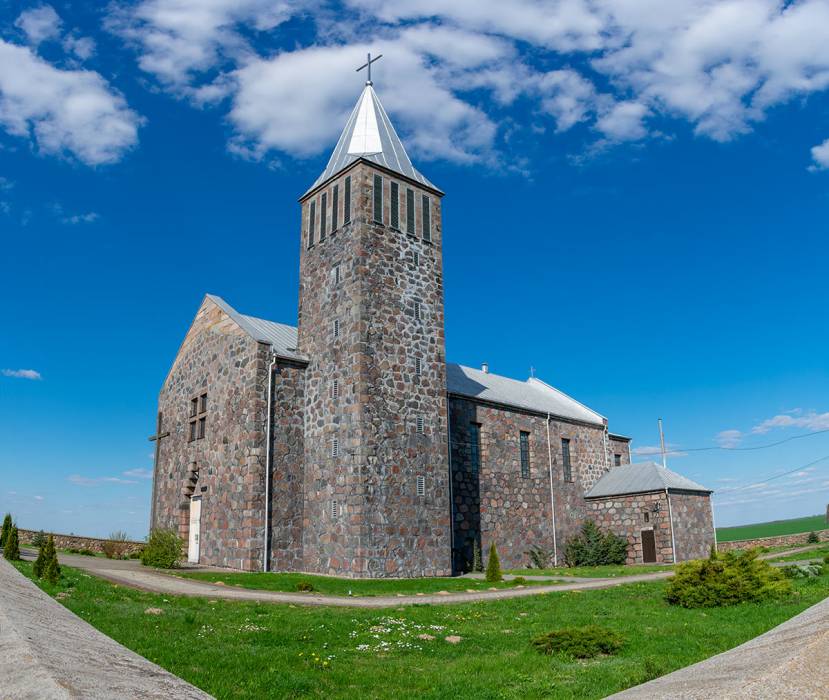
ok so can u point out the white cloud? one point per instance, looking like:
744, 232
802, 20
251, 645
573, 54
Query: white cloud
139, 473
63, 111
38, 498
22, 373
79, 480
39, 24
567, 96
811, 420
623, 121
6, 184
88, 218
820, 156
729, 438
81, 46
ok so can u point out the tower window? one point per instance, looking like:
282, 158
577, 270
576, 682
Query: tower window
337, 274
421, 485
475, 447
395, 206
198, 417
335, 389
335, 447
410, 213
524, 439
426, 219
323, 215
421, 425
335, 509
336, 328
417, 311
378, 199
415, 258
418, 366
347, 201
312, 222
617, 460
335, 207
565, 459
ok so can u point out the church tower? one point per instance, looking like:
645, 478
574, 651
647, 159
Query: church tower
377, 501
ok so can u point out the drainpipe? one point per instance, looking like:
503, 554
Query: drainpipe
451, 497
671, 520
266, 555
713, 522
606, 455
552, 496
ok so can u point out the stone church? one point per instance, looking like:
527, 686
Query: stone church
348, 445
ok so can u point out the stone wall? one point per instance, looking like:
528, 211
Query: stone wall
693, 525
364, 276
627, 516
226, 467
94, 544
794, 540
499, 503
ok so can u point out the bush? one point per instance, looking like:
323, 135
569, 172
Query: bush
725, 579
493, 566
51, 569
580, 642
163, 549
813, 538
802, 570
40, 563
477, 558
592, 548
6, 531
826, 559
518, 581
39, 539
305, 586
11, 549
116, 546
540, 558
135, 555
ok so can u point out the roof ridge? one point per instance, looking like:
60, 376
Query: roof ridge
536, 380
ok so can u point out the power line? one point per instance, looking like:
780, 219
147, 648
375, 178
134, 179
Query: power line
745, 449
775, 476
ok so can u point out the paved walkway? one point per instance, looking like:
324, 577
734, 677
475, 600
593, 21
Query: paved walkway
49, 653
131, 573
789, 661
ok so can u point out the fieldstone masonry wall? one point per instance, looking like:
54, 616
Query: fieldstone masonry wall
94, 544
693, 525
794, 540
628, 516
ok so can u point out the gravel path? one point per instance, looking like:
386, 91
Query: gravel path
49, 653
789, 661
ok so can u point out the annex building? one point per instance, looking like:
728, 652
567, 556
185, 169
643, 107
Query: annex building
347, 444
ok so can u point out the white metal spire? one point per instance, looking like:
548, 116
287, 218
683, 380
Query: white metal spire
369, 134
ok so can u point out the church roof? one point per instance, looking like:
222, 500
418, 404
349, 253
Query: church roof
280, 337
532, 394
369, 134
644, 477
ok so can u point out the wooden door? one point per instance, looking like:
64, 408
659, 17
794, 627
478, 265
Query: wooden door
648, 547
195, 530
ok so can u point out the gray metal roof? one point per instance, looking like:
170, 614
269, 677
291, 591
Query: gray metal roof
532, 394
643, 477
280, 337
369, 134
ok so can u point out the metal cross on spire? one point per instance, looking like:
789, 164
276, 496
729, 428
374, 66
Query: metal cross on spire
367, 64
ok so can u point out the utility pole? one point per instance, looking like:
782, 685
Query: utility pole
662, 445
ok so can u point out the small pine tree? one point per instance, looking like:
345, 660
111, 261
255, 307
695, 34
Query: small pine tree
813, 538
39, 539
51, 559
477, 563
52, 572
493, 566
40, 563
11, 550
7, 528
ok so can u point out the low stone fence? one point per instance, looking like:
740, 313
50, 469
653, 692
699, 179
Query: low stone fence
93, 544
794, 540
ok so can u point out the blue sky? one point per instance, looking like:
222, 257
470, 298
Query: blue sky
636, 206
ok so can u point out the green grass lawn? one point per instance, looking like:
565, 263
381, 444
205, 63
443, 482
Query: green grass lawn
256, 650
776, 527
331, 585
816, 553
610, 571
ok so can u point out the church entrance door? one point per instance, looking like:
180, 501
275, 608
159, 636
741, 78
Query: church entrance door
195, 530
648, 547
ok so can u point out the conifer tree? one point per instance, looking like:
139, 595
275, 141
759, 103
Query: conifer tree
11, 550
7, 527
52, 572
493, 566
40, 563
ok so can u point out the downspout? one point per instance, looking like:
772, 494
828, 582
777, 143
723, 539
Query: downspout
606, 455
266, 558
552, 496
671, 520
713, 522
451, 497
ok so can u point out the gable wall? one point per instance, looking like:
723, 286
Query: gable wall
220, 357
503, 506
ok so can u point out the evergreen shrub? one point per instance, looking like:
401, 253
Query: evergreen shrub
493, 566
813, 538
163, 549
590, 547
7, 528
11, 550
580, 642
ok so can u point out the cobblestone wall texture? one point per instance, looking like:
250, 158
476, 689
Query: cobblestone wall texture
93, 544
794, 540
693, 525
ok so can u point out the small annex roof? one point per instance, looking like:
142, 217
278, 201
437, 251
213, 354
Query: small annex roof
369, 134
644, 477
533, 394
282, 338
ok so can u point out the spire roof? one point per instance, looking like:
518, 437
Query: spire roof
369, 134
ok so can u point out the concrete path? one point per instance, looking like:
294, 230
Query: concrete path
789, 661
49, 653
